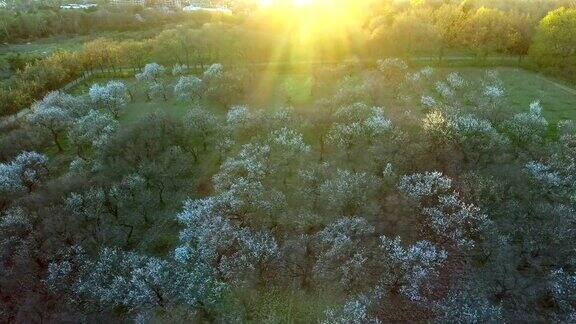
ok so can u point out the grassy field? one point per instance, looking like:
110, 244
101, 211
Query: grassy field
523, 87
276, 90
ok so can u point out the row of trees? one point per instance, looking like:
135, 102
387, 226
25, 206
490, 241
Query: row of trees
443, 206
33, 79
25, 26
426, 29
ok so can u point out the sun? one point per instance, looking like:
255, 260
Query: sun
312, 29
297, 3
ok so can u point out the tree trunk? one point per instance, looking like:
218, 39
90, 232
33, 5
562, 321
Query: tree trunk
57, 141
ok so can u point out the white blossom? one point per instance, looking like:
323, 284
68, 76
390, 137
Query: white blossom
478, 132
453, 219
342, 257
417, 264
422, 185
136, 282
158, 90
10, 181
427, 72
444, 90
544, 174
113, 96
354, 311
377, 123
493, 92
468, 305
27, 170
239, 117
348, 191
391, 63
290, 140
51, 118
455, 80
94, 129
188, 88
529, 125
73, 106
536, 108
213, 71
428, 101
152, 73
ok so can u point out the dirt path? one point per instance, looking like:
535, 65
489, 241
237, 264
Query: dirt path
559, 85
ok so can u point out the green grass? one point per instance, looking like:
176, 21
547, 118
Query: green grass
280, 304
45, 46
523, 87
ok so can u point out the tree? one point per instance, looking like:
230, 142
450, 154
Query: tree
468, 304
188, 89
10, 183
140, 284
224, 86
411, 267
152, 76
26, 171
527, 127
342, 252
554, 43
237, 254
349, 193
100, 53
446, 215
112, 97
52, 118
202, 124
239, 117
449, 20
158, 90
92, 130
135, 53
488, 31
152, 73
476, 137
412, 33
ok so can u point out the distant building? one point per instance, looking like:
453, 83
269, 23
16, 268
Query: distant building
195, 8
129, 2
72, 6
168, 3
149, 3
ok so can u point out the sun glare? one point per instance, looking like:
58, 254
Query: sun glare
297, 3
301, 3
314, 15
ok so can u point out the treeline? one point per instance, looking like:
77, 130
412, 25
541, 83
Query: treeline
18, 26
185, 45
429, 29
478, 27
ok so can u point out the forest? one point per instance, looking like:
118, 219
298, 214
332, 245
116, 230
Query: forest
301, 161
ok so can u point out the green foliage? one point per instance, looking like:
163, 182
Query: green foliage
554, 44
